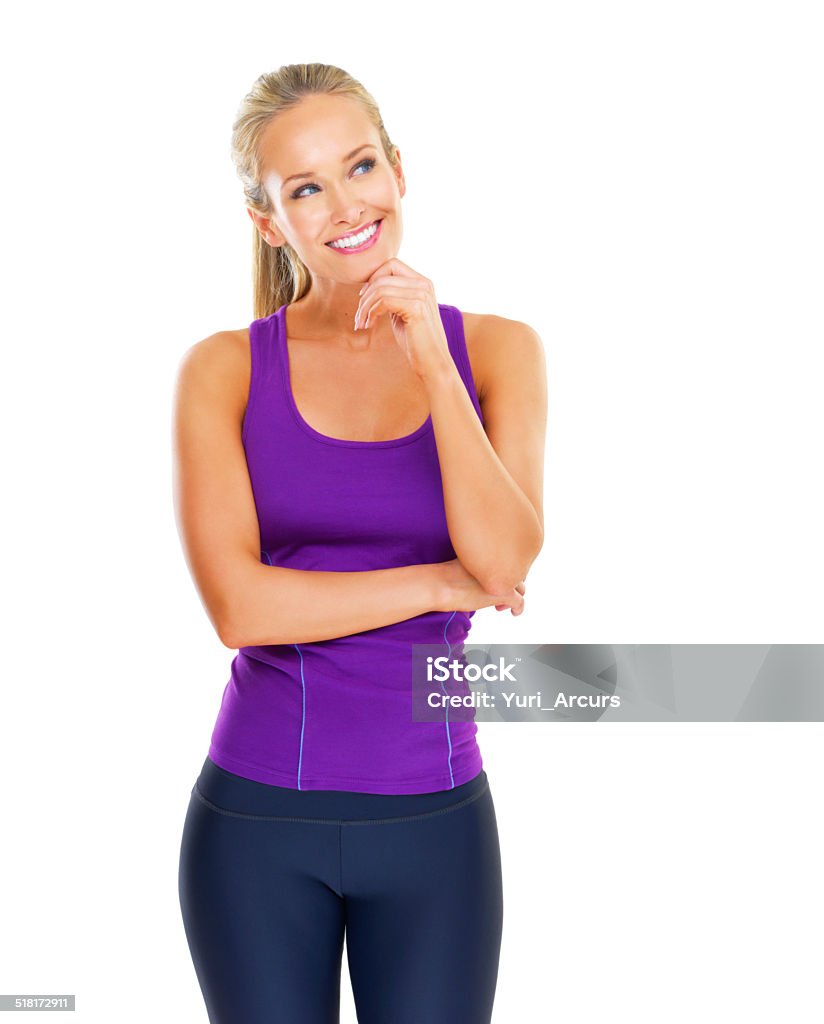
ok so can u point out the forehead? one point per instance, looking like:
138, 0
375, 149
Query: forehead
313, 135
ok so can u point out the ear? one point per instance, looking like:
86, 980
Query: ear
398, 169
268, 232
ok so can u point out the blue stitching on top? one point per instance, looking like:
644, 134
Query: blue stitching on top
448, 734
303, 719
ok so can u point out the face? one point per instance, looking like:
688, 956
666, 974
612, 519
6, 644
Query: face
346, 184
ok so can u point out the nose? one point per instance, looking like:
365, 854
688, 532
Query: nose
346, 208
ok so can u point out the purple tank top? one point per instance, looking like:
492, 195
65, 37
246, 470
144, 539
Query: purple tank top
337, 714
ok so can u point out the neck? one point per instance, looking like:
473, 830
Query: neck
328, 310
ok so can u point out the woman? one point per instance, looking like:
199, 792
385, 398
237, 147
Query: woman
355, 473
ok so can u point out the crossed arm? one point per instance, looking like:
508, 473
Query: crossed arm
492, 492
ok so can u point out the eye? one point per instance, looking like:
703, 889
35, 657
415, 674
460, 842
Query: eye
369, 163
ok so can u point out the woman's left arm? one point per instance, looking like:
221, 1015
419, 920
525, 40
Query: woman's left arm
493, 474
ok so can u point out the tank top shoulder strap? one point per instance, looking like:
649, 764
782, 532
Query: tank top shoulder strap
265, 375
453, 324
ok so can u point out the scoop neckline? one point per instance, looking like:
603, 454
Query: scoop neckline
392, 442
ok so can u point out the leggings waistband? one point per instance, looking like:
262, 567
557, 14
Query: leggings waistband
237, 796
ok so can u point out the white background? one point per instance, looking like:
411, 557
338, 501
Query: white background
641, 183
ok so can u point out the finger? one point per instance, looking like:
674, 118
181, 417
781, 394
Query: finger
394, 300
374, 310
397, 268
364, 310
397, 287
388, 285
411, 283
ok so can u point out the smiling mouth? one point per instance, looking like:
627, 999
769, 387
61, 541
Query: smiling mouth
357, 239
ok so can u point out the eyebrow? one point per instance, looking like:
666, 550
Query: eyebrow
312, 174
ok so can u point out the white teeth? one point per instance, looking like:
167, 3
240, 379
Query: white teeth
355, 240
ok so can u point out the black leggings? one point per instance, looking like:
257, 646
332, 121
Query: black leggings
272, 878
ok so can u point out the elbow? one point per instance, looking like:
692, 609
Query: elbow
234, 606
228, 639
226, 632
504, 578
225, 623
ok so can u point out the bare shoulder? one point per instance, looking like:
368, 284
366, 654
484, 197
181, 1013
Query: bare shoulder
220, 352
219, 366
494, 342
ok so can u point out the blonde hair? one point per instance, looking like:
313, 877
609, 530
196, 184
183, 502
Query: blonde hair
279, 276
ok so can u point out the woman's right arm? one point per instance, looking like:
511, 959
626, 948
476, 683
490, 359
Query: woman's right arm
250, 603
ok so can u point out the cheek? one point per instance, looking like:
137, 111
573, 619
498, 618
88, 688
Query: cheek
306, 222
387, 196
384, 189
